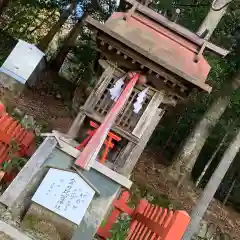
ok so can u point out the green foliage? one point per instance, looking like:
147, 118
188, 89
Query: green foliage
140, 191
120, 228
7, 43
14, 147
15, 163
85, 54
79, 64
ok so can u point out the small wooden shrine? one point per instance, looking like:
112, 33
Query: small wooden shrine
168, 54
141, 41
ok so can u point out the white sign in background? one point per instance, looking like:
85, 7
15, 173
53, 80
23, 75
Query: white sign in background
64, 193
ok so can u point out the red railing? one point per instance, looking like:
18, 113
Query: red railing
149, 222
14, 139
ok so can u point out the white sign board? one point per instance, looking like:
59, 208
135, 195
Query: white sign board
64, 193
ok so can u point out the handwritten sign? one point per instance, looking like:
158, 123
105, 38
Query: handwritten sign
64, 193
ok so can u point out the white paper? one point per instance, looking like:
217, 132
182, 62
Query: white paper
138, 104
64, 193
116, 90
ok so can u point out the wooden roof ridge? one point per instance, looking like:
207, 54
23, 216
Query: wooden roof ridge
180, 30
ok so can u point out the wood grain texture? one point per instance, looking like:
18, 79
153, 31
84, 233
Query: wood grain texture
12, 232
133, 157
116, 177
115, 128
177, 87
76, 125
103, 82
123, 156
148, 115
167, 100
94, 96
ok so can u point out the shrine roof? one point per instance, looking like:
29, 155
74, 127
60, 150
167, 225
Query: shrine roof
164, 44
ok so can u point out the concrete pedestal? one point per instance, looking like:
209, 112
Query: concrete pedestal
21, 202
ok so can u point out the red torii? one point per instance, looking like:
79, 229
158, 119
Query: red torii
108, 142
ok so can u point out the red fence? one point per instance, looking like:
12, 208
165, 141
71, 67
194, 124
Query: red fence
149, 222
14, 139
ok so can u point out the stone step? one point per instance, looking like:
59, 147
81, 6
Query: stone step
46, 224
8, 232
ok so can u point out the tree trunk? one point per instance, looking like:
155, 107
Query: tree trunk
199, 179
56, 28
186, 158
68, 44
42, 22
3, 5
217, 11
211, 188
194, 143
229, 191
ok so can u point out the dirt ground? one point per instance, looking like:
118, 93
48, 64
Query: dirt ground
148, 171
48, 110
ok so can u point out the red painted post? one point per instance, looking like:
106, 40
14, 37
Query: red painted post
135, 226
108, 142
119, 206
177, 226
153, 222
2, 109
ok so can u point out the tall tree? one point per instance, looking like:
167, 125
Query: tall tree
68, 44
85, 9
43, 44
186, 158
211, 188
192, 146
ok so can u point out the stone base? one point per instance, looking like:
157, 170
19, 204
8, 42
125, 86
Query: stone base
9, 89
46, 224
9, 232
4, 236
10, 83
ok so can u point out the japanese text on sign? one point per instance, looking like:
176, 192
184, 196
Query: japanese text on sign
64, 193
